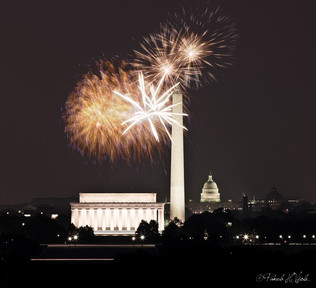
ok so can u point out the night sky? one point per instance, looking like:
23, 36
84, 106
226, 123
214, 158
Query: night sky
254, 128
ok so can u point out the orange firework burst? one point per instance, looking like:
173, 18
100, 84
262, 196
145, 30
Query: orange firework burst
188, 49
94, 117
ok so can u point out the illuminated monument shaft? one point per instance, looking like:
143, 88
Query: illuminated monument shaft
177, 202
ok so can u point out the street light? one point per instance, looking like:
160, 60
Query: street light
75, 238
142, 237
133, 239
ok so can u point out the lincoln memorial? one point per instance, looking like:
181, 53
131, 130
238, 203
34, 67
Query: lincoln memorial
116, 213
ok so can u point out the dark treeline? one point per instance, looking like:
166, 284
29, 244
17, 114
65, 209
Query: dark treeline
226, 228
21, 235
205, 248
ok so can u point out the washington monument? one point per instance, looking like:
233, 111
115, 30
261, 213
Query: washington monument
177, 199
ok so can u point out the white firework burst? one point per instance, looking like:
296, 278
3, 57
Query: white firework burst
154, 105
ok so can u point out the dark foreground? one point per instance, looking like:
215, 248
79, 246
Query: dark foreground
119, 265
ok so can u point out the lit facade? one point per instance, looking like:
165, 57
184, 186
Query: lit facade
177, 194
116, 213
210, 191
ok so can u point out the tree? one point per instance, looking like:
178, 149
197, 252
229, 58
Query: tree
85, 234
148, 230
82, 234
172, 233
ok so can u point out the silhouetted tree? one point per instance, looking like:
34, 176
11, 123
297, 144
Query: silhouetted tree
177, 221
172, 233
83, 234
148, 230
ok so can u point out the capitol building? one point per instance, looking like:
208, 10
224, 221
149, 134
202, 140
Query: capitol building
210, 191
210, 199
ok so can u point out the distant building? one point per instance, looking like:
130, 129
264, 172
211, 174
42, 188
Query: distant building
245, 204
273, 199
48, 206
210, 191
210, 199
116, 213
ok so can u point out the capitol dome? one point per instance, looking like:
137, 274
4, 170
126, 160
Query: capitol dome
210, 191
274, 195
210, 184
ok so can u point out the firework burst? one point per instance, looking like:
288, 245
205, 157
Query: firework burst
189, 49
110, 115
153, 106
101, 124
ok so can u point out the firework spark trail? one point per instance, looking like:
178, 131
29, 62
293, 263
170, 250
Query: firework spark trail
189, 49
152, 107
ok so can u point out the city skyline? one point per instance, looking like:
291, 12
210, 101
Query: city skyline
253, 127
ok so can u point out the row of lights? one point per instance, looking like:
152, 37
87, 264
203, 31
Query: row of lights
304, 236
52, 216
246, 236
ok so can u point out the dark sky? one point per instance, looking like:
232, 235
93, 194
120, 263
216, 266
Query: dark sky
254, 129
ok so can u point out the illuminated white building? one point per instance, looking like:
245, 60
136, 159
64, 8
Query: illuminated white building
116, 213
210, 191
